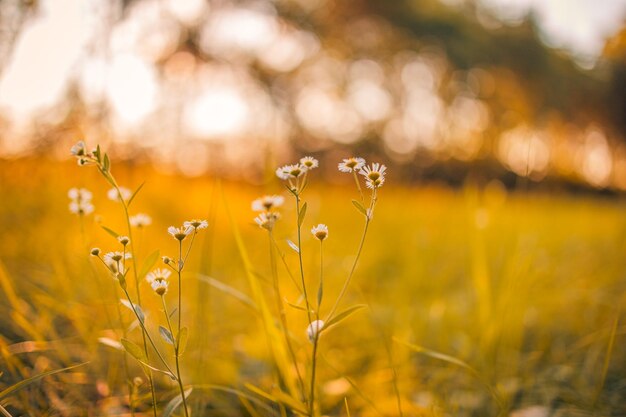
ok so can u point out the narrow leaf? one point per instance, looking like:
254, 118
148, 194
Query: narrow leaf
297, 307
26, 382
320, 293
134, 350
341, 316
175, 403
106, 164
132, 197
293, 246
181, 340
359, 207
166, 335
228, 290
110, 231
173, 312
302, 214
138, 311
149, 263
111, 343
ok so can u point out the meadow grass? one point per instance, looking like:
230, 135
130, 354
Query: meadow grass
479, 301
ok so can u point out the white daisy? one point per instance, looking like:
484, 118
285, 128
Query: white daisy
116, 256
267, 202
123, 194
313, 330
290, 171
179, 233
124, 240
320, 231
159, 274
266, 220
81, 207
374, 174
352, 164
79, 149
196, 224
309, 162
140, 220
159, 286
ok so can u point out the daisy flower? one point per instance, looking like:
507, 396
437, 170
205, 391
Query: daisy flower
290, 171
320, 231
267, 202
159, 286
158, 275
267, 219
352, 164
116, 256
123, 194
81, 194
140, 220
196, 224
374, 175
313, 330
179, 233
124, 240
79, 149
81, 207
309, 162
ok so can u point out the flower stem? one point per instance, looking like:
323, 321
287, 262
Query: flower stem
176, 355
306, 298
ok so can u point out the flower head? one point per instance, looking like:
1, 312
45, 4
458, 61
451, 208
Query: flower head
313, 330
267, 202
116, 256
320, 231
159, 286
290, 171
179, 233
123, 194
124, 240
374, 175
309, 162
266, 220
196, 224
79, 149
81, 201
95, 252
352, 164
140, 220
158, 275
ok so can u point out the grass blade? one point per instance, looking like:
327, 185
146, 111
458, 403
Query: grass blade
23, 384
175, 403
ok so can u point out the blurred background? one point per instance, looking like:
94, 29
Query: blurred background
441, 89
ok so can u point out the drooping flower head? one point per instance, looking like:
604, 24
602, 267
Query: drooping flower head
140, 220
374, 175
267, 202
352, 164
320, 231
313, 330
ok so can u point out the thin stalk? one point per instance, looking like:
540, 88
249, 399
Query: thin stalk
135, 276
129, 382
317, 335
358, 186
282, 257
179, 273
306, 298
176, 355
281, 310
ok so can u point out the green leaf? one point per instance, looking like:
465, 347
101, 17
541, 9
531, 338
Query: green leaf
106, 164
341, 316
132, 197
293, 246
137, 310
134, 350
149, 263
320, 293
26, 382
302, 214
297, 307
166, 335
360, 207
175, 403
110, 231
181, 340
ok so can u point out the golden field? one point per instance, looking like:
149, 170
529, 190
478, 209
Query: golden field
478, 301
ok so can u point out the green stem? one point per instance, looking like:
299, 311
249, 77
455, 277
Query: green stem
317, 335
176, 355
306, 298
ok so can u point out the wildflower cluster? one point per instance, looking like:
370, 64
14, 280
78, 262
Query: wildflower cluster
80, 201
296, 174
267, 206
